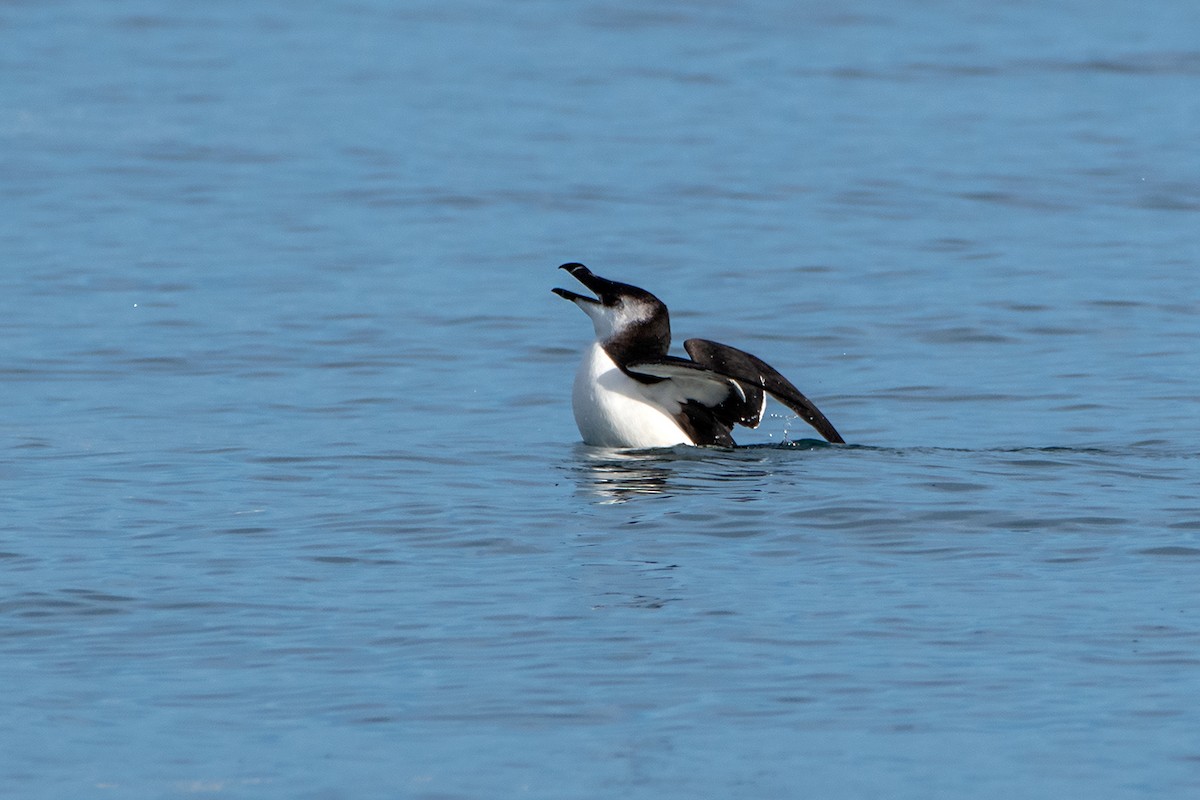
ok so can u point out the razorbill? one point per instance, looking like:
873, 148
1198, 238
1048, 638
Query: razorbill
630, 393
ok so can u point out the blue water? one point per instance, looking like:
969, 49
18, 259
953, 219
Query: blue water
293, 505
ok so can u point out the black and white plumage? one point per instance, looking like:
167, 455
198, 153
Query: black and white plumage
630, 393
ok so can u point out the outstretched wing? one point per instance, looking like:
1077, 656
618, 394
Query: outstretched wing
751, 371
695, 381
710, 403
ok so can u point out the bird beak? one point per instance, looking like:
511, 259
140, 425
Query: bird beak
600, 286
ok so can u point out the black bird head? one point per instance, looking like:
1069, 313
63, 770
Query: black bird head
622, 315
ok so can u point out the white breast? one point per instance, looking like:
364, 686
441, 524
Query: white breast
614, 410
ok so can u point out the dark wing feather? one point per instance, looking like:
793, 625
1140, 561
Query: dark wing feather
751, 371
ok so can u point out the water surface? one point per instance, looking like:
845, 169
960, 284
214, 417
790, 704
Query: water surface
293, 503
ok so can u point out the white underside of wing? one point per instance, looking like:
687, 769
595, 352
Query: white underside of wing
691, 383
614, 410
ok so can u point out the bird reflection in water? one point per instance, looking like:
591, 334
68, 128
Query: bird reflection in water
617, 476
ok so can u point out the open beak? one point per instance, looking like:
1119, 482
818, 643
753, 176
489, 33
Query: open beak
600, 286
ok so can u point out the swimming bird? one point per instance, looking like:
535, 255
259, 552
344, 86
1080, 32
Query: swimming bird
629, 392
